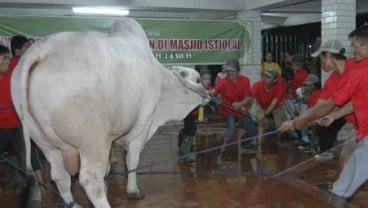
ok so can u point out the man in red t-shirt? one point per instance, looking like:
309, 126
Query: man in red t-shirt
332, 57
300, 73
268, 95
11, 135
9, 121
352, 86
235, 94
326, 135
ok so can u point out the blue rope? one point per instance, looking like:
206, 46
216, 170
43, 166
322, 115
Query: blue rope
69, 205
168, 161
233, 172
56, 193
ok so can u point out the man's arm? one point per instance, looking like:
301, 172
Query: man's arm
345, 110
269, 109
245, 103
338, 113
322, 108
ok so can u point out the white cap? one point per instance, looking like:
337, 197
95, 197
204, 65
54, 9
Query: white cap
332, 46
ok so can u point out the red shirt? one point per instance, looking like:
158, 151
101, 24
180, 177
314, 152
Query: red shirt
233, 92
332, 84
13, 62
313, 98
264, 96
299, 77
353, 86
8, 115
333, 80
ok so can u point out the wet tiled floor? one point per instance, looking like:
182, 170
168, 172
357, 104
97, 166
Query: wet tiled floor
301, 182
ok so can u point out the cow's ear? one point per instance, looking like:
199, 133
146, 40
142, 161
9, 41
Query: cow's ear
178, 71
184, 74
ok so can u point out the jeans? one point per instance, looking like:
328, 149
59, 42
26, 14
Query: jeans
247, 123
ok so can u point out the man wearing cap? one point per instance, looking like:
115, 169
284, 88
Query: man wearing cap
332, 57
268, 95
326, 135
312, 87
352, 86
235, 94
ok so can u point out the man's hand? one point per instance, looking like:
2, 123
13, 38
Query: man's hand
261, 117
296, 113
287, 126
326, 121
211, 92
237, 105
214, 102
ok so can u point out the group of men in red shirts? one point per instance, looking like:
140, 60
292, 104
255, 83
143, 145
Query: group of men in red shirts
345, 92
249, 105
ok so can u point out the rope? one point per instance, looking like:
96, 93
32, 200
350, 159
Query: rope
52, 190
172, 160
266, 173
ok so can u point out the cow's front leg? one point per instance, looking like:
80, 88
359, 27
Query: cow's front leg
132, 160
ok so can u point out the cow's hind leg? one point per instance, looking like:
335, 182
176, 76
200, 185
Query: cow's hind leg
57, 169
60, 176
92, 172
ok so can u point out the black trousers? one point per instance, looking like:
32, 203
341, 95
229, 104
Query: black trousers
11, 141
190, 128
328, 135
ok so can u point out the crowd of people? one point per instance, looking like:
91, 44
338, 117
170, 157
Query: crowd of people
293, 99
265, 105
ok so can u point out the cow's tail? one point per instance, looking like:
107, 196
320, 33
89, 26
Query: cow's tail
19, 90
31, 196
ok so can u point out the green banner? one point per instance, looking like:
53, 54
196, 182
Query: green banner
172, 41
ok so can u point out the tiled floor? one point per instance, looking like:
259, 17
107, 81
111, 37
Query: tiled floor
203, 184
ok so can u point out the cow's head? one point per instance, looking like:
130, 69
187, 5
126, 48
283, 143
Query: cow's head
190, 79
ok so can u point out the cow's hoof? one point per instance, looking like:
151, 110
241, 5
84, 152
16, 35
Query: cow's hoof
135, 196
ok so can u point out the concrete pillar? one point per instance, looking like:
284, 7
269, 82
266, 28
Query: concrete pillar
338, 20
252, 20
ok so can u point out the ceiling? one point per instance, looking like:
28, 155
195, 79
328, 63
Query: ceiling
275, 13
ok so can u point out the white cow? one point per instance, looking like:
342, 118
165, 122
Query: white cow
77, 92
